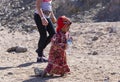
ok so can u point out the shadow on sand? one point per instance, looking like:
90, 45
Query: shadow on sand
26, 64
39, 79
33, 78
21, 65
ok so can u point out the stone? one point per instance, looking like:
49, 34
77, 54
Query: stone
17, 49
95, 38
20, 49
95, 53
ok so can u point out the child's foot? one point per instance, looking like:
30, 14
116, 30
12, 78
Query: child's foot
51, 75
62, 75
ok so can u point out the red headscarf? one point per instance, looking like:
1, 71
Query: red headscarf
60, 22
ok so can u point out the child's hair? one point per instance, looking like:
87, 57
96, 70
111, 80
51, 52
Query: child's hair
62, 20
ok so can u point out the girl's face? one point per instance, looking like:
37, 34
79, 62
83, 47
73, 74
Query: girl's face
66, 27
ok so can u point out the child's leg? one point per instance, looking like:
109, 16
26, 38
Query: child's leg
62, 75
51, 74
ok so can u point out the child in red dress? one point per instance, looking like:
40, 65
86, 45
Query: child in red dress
57, 63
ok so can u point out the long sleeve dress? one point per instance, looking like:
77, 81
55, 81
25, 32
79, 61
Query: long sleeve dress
57, 62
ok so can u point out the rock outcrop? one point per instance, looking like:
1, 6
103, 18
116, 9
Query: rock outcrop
111, 12
18, 14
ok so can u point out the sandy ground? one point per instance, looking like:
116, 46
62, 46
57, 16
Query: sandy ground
94, 56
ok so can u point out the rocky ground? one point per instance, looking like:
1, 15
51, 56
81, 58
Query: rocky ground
94, 56
95, 52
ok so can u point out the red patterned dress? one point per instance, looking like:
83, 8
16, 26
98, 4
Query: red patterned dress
57, 63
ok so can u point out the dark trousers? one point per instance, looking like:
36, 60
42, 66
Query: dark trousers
44, 38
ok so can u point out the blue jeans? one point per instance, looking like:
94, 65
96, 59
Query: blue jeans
44, 39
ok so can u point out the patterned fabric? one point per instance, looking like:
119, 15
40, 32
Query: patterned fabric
57, 63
